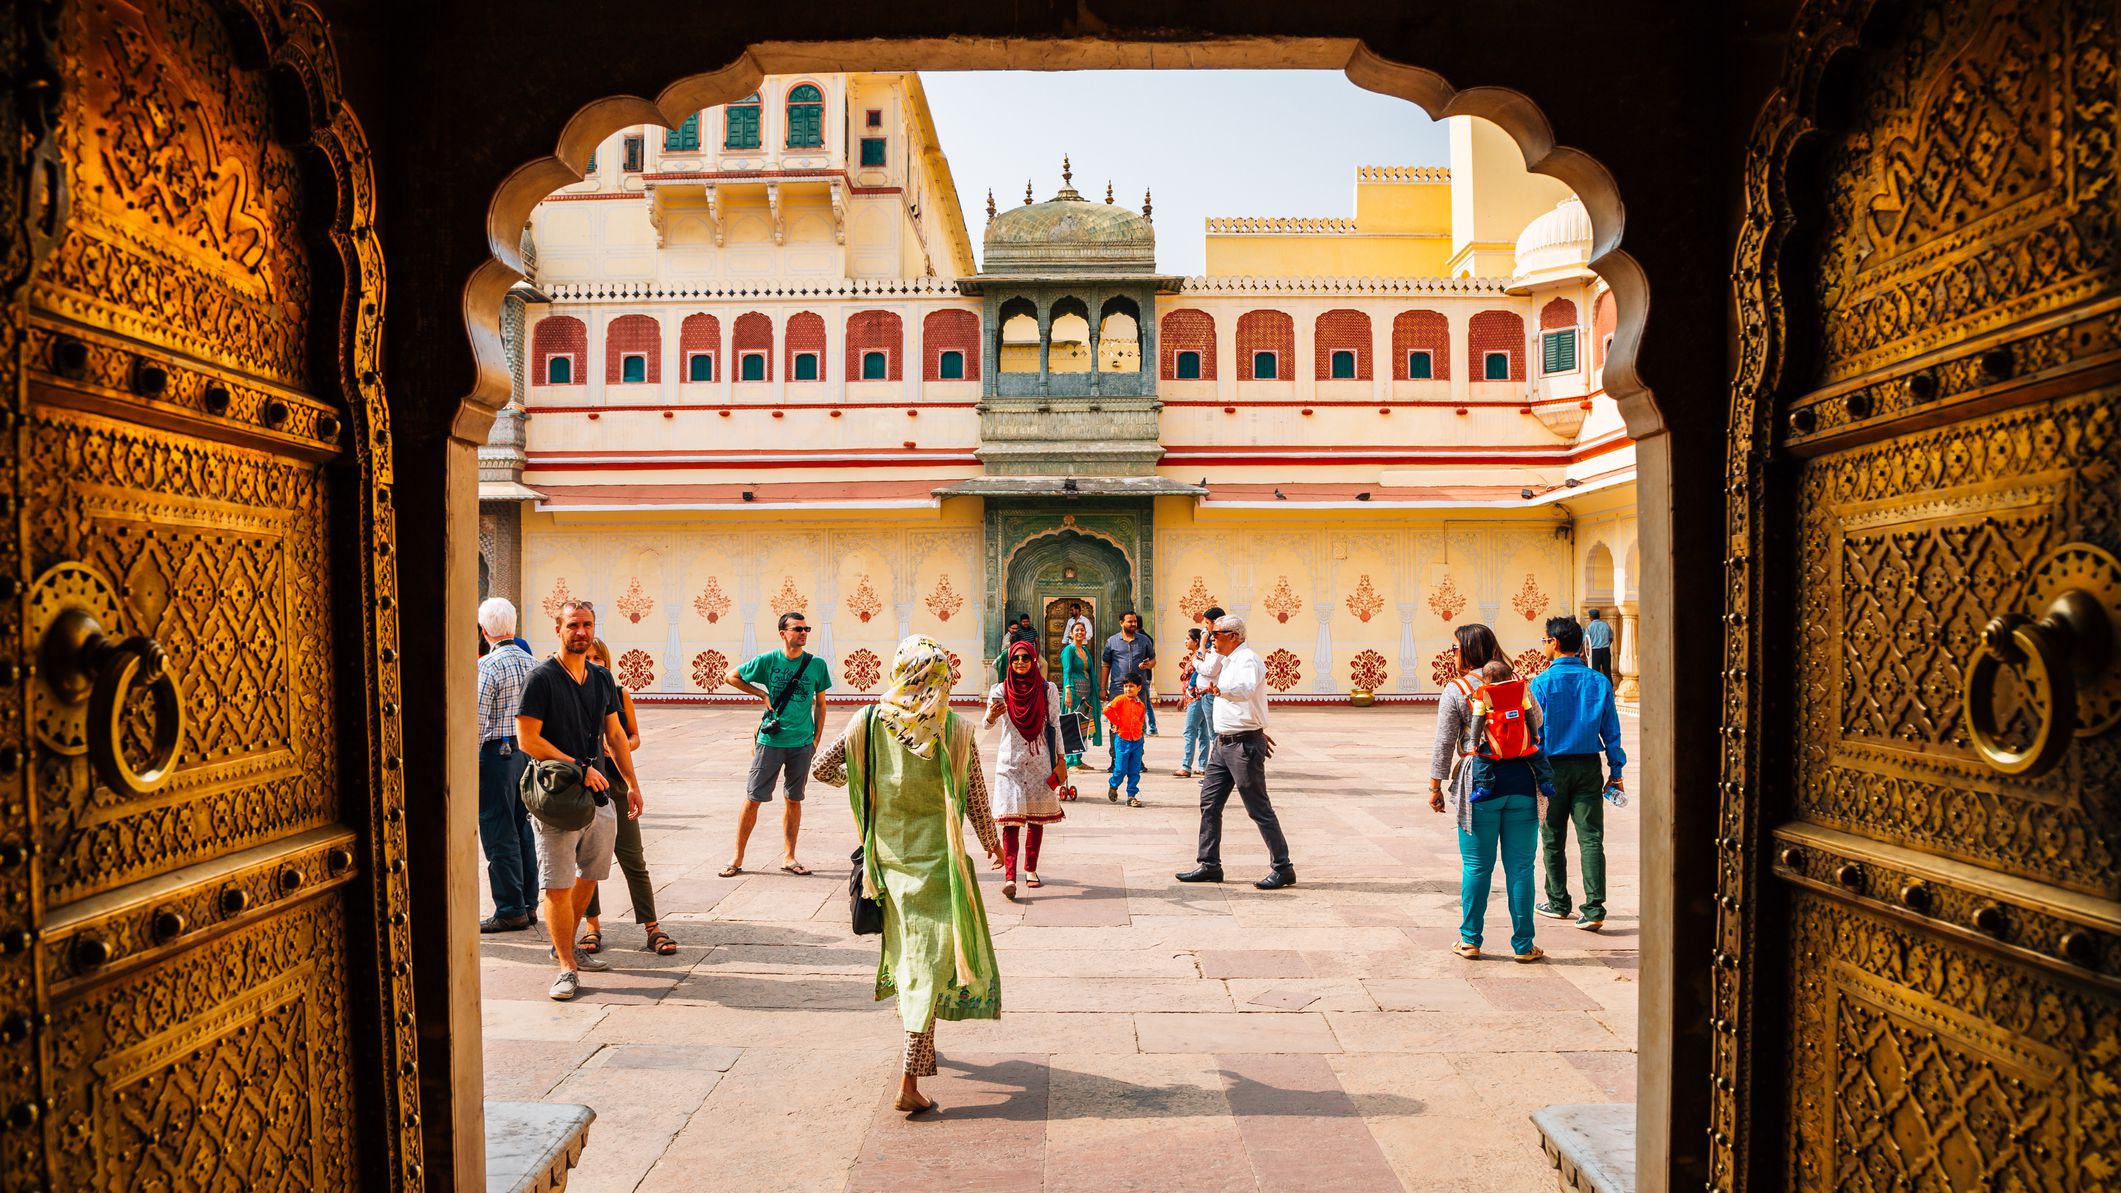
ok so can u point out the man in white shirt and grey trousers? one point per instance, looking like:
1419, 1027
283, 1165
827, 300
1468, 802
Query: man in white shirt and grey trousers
1237, 678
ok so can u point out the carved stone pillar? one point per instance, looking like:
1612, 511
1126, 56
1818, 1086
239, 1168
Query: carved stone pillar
1626, 622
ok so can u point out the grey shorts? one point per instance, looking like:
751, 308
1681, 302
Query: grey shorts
565, 855
768, 762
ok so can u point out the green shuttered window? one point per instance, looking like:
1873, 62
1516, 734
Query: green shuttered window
685, 136
633, 368
806, 118
1188, 366
806, 366
872, 151
1343, 366
1497, 367
875, 367
1420, 367
743, 118
1558, 352
1264, 366
754, 366
700, 368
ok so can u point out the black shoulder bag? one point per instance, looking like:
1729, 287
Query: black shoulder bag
771, 722
867, 913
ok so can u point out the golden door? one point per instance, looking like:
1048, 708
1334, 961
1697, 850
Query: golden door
1917, 964
204, 945
1056, 631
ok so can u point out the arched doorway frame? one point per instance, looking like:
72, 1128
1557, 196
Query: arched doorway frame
1670, 1009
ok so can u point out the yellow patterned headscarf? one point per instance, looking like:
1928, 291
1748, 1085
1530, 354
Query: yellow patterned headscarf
917, 703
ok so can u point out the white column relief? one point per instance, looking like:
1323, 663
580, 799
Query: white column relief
1410, 668
677, 669
828, 611
1327, 680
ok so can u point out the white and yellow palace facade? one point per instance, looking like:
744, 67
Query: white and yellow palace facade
758, 371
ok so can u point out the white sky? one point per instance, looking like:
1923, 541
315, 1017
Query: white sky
1259, 143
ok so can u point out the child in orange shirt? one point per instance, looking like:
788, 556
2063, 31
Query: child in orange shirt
1128, 716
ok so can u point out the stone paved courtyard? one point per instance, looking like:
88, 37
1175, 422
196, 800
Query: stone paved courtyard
1155, 1036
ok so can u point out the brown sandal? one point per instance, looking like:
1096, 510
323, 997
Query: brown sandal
661, 943
592, 942
1470, 952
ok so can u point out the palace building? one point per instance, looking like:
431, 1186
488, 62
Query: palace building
757, 370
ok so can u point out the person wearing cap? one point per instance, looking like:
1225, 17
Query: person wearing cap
1238, 758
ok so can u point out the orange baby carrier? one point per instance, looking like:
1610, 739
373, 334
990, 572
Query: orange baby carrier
1506, 727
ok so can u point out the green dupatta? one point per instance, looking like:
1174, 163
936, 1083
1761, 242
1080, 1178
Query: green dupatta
977, 992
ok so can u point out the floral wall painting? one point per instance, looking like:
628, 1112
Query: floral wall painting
709, 668
944, 600
560, 596
1197, 599
636, 669
1284, 670
1364, 601
1282, 602
862, 669
1445, 600
1443, 666
711, 603
1529, 600
957, 669
789, 599
1367, 671
1530, 663
634, 604
862, 602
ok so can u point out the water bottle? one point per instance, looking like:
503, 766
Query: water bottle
1615, 796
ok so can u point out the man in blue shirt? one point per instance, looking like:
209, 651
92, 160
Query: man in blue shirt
1581, 724
1598, 640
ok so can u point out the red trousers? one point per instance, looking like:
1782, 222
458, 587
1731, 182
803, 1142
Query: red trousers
1030, 849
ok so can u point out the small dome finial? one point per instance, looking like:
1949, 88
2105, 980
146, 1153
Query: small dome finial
990, 202
1145, 203
1027, 191
1108, 192
1067, 175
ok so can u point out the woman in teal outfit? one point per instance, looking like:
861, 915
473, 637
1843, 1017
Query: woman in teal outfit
1504, 827
912, 773
1079, 689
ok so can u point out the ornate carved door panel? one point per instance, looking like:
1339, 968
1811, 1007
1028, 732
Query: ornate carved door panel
205, 981
1919, 965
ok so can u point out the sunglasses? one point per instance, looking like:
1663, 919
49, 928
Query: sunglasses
798, 629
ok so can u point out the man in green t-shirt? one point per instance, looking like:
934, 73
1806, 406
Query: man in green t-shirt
792, 685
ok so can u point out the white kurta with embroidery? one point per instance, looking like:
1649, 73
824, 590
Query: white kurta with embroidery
1019, 792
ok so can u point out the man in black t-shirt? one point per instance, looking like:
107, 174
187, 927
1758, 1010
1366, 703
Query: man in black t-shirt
570, 713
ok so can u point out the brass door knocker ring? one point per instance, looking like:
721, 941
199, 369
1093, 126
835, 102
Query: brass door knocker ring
81, 663
2064, 657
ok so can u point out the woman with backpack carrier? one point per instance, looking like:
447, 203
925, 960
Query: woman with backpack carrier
1028, 771
1487, 751
912, 773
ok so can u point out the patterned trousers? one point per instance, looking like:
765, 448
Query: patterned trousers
920, 1052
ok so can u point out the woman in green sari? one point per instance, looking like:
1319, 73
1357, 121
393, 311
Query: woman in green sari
911, 769
1079, 688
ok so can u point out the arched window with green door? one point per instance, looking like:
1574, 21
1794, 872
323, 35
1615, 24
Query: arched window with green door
742, 118
806, 117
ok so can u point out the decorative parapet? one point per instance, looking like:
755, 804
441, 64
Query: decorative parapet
1273, 225
850, 288
1402, 174
1361, 286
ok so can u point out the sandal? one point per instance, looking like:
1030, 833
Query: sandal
1182, 773
1031, 880
661, 943
1133, 802
591, 943
1532, 954
732, 870
796, 868
1470, 952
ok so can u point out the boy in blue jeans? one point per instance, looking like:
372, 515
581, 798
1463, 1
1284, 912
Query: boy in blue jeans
1128, 716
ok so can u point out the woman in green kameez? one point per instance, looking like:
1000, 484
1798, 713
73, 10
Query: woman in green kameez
1079, 689
911, 769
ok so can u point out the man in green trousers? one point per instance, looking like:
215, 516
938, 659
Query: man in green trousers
1581, 725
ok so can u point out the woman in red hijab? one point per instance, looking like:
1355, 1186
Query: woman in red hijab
1028, 770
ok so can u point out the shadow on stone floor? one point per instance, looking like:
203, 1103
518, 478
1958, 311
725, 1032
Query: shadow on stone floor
1093, 1095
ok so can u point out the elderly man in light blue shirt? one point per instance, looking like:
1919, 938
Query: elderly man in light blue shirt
1598, 644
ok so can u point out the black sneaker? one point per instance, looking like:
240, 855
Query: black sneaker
495, 923
1552, 912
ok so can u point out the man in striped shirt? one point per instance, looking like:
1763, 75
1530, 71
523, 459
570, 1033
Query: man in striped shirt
504, 824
